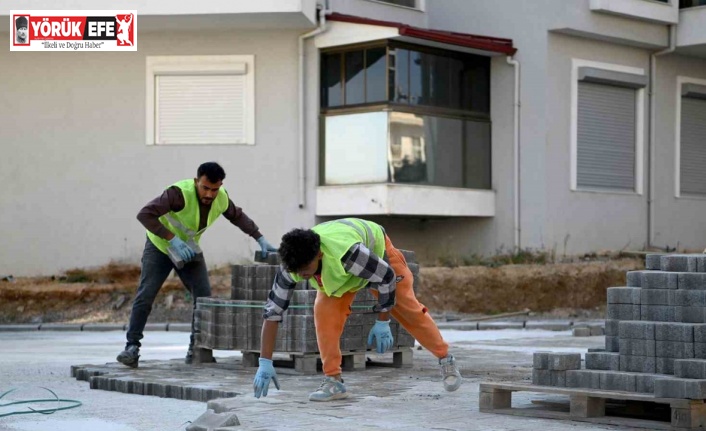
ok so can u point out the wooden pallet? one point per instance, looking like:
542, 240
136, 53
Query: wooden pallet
589, 405
310, 363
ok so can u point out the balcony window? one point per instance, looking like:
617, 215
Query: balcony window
405, 114
683, 4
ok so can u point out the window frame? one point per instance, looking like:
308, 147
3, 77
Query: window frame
681, 81
199, 65
420, 5
576, 64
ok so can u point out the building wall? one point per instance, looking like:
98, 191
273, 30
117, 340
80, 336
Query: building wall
678, 221
76, 168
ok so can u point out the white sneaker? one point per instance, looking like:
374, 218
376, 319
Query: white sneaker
450, 374
330, 389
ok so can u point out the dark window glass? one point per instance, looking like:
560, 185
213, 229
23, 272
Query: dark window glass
691, 3
477, 155
375, 74
331, 89
476, 85
399, 75
355, 77
408, 3
418, 78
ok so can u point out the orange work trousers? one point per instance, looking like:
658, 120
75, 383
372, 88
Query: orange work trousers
330, 314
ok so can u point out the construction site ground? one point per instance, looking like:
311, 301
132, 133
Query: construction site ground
381, 398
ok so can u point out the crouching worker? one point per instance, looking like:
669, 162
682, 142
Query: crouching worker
338, 258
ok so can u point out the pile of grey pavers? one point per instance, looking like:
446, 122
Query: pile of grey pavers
236, 323
655, 335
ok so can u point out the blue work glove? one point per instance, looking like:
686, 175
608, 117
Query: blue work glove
382, 334
265, 372
265, 246
182, 248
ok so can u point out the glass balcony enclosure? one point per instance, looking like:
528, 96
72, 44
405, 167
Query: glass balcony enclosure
406, 114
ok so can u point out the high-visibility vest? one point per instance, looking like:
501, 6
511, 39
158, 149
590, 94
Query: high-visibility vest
185, 223
337, 237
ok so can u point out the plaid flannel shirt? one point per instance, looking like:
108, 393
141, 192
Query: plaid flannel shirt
358, 261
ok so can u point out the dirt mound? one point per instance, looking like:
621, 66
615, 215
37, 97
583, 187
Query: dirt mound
104, 294
541, 288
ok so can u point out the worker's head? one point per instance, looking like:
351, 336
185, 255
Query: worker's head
300, 252
209, 179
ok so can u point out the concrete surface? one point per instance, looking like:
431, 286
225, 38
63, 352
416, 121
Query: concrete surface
382, 398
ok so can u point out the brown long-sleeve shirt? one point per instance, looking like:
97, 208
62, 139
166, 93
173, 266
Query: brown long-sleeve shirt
172, 199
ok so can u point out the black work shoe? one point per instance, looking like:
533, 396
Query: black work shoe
130, 356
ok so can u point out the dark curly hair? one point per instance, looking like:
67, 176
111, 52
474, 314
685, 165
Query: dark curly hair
213, 171
298, 248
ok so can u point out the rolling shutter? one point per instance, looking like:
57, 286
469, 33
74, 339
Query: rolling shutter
200, 109
606, 136
692, 146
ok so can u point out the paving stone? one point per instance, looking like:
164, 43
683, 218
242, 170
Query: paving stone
612, 344
700, 350
653, 261
211, 420
596, 330
541, 377
637, 330
611, 327
223, 405
674, 349
688, 298
623, 312
596, 349
659, 280
654, 296
664, 365
633, 278
564, 361
645, 383
683, 332
691, 280
623, 295
557, 378
617, 381
638, 364
657, 313
701, 263
690, 314
678, 263
680, 388
699, 333
690, 368
602, 361
637, 347
583, 379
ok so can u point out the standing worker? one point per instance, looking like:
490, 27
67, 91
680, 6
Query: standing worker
339, 258
175, 221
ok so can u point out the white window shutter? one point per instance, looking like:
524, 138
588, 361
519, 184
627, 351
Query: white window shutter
201, 109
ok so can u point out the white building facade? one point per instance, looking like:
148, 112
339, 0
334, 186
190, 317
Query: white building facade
462, 127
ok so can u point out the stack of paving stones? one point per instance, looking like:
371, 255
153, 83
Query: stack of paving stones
655, 335
236, 323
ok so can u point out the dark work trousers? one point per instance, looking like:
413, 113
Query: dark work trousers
156, 267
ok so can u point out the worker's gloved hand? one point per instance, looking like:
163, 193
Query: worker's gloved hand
265, 372
265, 246
182, 248
383, 337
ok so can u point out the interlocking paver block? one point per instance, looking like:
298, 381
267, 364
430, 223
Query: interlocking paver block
611, 327
541, 377
690, 314
637, 330
657, 313
612, 344
655, 296
624, 295
680, 388
664, 365
688, 298
623, 312
659, 280
637, 347
674, 349
690, 368
691, 280
645, 383
653, 261
603, 361
634, 278
683, 332
583, 379
638, 364
617, 381
564, 361
211, 420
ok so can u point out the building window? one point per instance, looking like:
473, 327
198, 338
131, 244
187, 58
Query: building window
406, 3
200, 100
608, 130
691, 3
400, 113
692, 149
